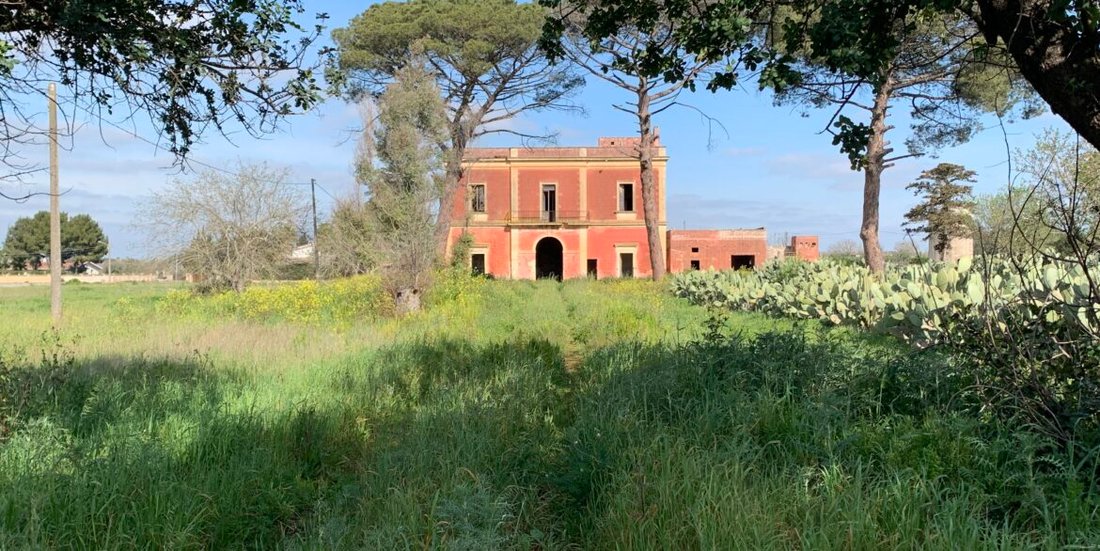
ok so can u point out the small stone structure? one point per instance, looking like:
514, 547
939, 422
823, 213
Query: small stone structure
804, 247
957, 248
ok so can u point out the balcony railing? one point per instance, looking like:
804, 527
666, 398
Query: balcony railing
548, 217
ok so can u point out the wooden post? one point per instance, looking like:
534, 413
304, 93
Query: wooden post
55, 215
316, 253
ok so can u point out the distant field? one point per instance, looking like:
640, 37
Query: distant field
520, 415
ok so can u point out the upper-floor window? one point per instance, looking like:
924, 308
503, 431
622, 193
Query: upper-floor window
477, 198
626, 197
549, 202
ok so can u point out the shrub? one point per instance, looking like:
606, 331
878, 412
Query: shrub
339, 301
455, 285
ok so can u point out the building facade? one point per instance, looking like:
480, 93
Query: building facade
562, 212
570, 212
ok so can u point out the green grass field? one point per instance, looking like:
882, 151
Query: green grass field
520, 415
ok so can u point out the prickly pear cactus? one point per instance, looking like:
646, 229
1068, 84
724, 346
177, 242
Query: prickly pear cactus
916, 303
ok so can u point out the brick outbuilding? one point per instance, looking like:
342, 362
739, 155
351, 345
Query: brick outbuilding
716, 249
804, 247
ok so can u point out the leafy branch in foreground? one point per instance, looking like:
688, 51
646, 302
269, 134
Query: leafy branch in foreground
190, 66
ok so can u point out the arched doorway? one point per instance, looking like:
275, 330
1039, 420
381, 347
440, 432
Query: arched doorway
548, 258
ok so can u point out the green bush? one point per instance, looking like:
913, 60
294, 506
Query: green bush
820, 442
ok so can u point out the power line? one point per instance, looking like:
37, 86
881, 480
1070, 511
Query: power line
192, 160
312, 183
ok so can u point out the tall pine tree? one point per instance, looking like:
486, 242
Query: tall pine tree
946, 203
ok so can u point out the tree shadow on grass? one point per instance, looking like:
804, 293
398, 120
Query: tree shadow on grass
459, 440
82, 397
121, 452
437, 444
414, 371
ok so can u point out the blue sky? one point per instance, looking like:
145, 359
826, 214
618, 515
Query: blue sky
774, 169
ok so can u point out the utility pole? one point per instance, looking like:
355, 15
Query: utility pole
55, 215
316, 255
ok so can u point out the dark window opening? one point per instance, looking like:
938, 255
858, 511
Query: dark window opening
477, 263
695, 265
695, 249
593, 271
742, 261
626, 197
626, 260
477, 198
549, 203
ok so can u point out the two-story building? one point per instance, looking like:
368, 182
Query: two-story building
569, 212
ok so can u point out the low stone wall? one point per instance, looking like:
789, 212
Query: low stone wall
44, 279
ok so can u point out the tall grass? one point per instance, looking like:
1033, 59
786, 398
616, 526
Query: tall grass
507, 415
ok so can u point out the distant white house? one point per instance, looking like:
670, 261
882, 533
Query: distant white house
91, 268
302, 253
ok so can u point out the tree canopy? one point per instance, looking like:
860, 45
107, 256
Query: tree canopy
943, 73
945, 209
190, 66
483, 55
1060, 178
28, 240
407, 183
230, 229
1055, 44
481, 52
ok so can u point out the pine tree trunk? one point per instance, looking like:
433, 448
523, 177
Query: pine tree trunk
872, 181
648, 182
452, 179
